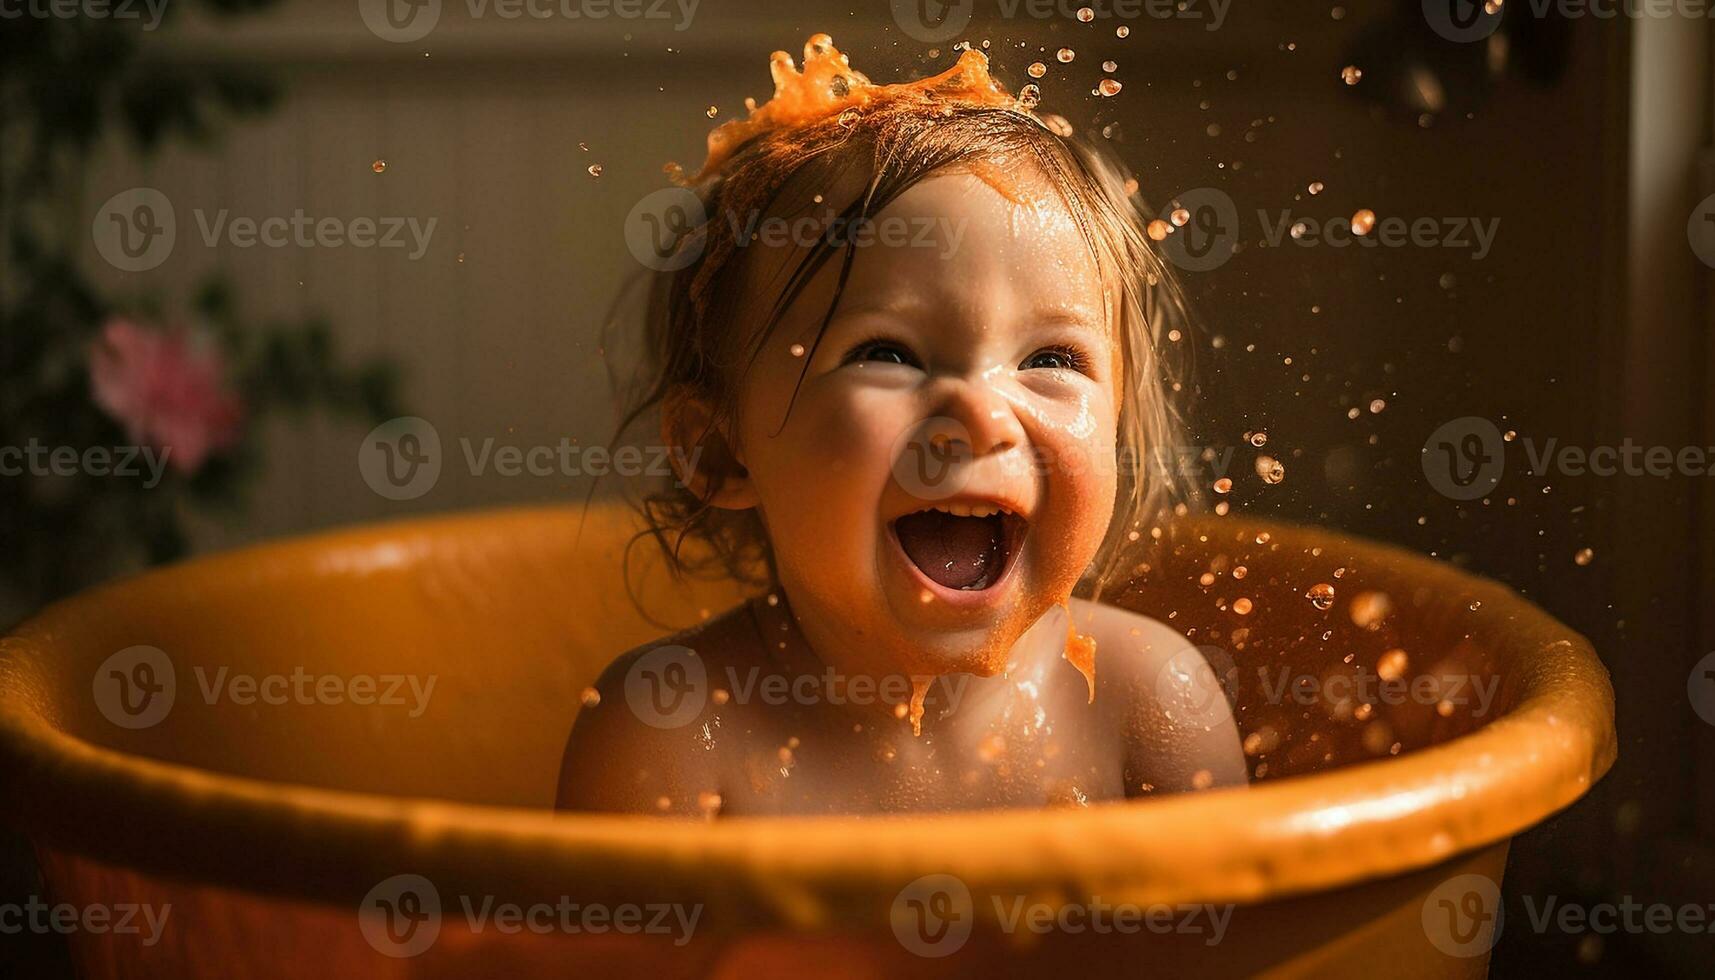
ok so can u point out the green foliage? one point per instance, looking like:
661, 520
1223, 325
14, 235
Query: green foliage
67, 85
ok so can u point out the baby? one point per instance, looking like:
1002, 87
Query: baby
917, 429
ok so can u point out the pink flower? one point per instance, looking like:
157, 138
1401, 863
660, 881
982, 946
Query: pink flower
166, 389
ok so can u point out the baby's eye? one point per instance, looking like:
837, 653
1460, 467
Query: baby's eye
1056, 358
883, 351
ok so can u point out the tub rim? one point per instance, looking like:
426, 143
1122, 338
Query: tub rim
1271, 840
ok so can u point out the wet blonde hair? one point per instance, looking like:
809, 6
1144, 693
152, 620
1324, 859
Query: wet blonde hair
698, 344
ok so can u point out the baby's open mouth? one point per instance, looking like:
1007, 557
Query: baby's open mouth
959, 546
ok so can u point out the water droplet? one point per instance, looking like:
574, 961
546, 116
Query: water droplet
595, 170
1029, 96
1180, 216
1065, 55
1392, 665
797, 351
1159, 230
1321, 595
1298, 230
1086, 15
1110, 66
1270, 469
1202, 779
1258, 438
1122, 31
583, 146
1363, 222
1242, 606
1206, 579
1351, 73
1315, 187
1492, 7
378, 166
591, 697
1223, 485
1376, 406
1240, 571
711, 112
1368, 609
1037, 69
1108, 87
1584, 556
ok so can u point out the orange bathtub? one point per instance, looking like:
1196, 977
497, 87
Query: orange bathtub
279, 834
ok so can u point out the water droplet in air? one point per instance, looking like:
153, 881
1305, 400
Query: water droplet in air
1065, 55
1122, 31
583, 146
797, 351
1037, 69
1376, 406
1086, 15
712, 111
378, 166
1584, 556
1363, 222
595, 170
1159, 230
1223, 485
1492, 7
1240, 571
1180, 216
591, 697
1392, 665
1298, 230
1321, 595
1108, 86
1368, 609
1351, 73
1029, 96
1270, 469
1242, 606
1110, 66
1258, 439
1315, 187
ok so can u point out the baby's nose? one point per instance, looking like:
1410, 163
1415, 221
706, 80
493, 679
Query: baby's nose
988, 417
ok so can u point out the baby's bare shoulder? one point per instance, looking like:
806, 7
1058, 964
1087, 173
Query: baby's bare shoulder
644, 736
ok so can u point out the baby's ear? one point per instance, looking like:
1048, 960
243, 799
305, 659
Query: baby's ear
703, 455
